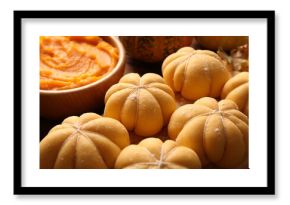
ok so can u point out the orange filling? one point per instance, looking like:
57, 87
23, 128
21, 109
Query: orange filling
72, 61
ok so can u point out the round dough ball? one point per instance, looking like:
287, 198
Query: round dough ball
216, 131
143, 104
86, 142
152, 153
195, 73
237, 90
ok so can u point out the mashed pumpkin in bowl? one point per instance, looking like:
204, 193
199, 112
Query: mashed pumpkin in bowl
76, 72
73, 61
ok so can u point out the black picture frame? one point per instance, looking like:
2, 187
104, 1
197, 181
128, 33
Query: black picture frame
18, 95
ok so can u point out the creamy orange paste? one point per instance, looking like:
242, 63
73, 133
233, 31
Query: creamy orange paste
73, 61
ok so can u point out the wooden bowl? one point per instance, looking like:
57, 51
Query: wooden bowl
59, 104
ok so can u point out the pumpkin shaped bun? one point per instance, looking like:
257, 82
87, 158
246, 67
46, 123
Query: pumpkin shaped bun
143, 104
195, 73
216, 131
237, 90
86, 142
152, 153
226, 43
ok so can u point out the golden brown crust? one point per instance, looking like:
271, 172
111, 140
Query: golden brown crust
217, 131
237, 90
152, 153
195, 73
137, 101
88, 141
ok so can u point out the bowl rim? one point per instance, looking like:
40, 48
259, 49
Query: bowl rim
118, 66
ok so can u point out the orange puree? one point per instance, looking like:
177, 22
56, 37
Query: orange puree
73, 61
